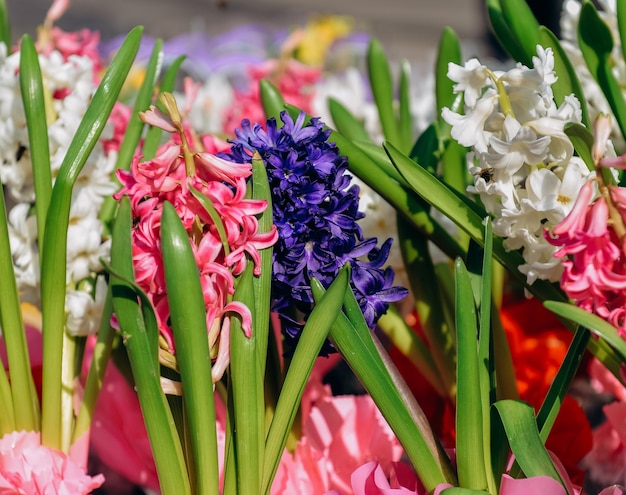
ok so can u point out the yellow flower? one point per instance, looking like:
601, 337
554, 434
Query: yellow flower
318, 35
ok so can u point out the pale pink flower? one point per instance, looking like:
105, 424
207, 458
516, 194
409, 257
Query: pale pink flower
29, 468
338, 435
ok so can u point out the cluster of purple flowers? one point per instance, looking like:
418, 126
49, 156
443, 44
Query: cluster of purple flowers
315, 210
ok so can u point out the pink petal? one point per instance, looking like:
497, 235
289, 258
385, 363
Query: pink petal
537, 485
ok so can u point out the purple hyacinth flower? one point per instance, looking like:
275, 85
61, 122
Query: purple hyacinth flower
315, 209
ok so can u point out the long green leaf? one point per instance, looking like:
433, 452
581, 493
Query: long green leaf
561, 383
439, 335
518, 419
351, 336
140, 332
523, 25
5, 25
382, 90
594, 323
326, 311
271, 99
31, 85
246, 388
582, 139
486, 368
620, 8
142, 102
469, 416
188, 323
596, 44
263, 284
97, 368
53, 264
405, 117
346, 123
503, 32
24, 399
153, 136
449, 52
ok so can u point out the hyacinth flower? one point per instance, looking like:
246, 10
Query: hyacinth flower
221, 239
316, 212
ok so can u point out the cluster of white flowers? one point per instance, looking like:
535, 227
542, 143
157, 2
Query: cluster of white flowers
68, 88
522, 161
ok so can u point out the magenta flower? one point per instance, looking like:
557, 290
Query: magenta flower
594, 274
172, 176
29, 468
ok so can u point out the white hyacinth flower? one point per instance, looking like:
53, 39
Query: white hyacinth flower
83, 310
522, 161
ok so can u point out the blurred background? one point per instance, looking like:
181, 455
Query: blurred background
408, 29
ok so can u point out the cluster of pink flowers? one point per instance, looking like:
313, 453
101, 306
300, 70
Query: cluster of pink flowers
295, 81
594, 274
29, 468
168, 177
591, 241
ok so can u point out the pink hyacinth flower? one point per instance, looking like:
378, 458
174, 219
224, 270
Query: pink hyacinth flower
29, 468
339, 435
594, 268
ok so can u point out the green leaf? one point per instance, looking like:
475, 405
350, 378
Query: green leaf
518, 419
139, 331
263, 284
346, 123
5, 25
594, 323
271, 99
524, 27
567, 80
449, 52
208, 206
135, 125
32, 87
469, 416
371, 364
189, 326
425, 151
620, 8
97, 368
382, 90
504, 33
405, 118
596, 44
439, 335
153, 136
324, 314
24, 403
246, 384
486, 369
561, 383
582, 140
53, 263
142, 103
